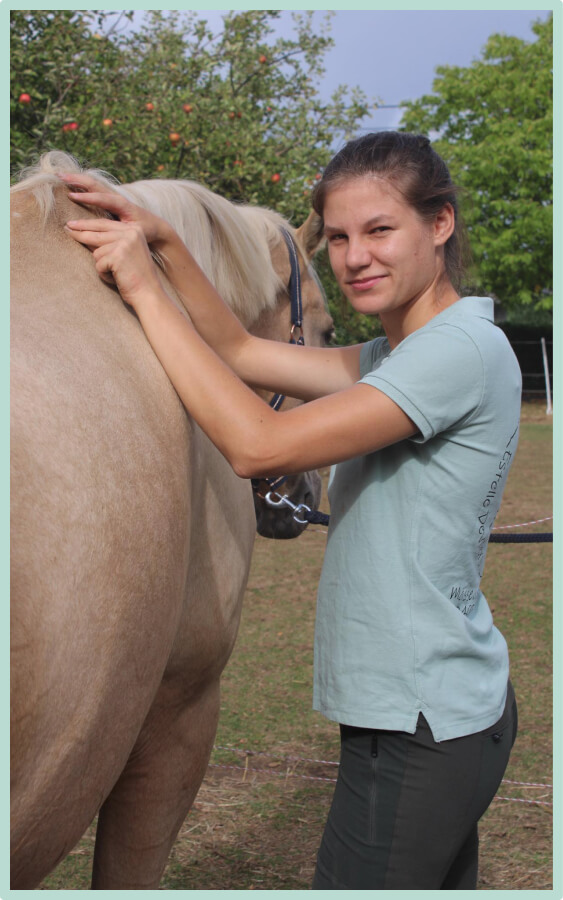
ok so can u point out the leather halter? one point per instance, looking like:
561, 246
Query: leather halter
295, 337
294, 291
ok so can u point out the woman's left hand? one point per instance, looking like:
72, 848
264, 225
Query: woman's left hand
121, 255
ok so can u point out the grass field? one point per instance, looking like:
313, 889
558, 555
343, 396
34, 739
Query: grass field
257, 821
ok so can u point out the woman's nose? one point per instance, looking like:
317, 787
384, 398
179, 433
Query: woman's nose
357, 254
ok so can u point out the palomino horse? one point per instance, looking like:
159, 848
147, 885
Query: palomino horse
131, 535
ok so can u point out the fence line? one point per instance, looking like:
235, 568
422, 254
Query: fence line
297, 759
546, 375
523, 524
288, 774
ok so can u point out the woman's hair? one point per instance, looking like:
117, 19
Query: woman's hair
415, 170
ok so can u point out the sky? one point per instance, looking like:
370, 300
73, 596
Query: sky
392, 56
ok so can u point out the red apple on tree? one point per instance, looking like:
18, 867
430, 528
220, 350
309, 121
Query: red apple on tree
107, 122
25, 98
262, 59
187, 107
276, 177
149, 107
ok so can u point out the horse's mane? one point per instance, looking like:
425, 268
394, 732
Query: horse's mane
230, 242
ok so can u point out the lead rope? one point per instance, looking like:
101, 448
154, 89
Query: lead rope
305, 515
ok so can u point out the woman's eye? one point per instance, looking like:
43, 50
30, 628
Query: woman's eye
380, 229
336, 237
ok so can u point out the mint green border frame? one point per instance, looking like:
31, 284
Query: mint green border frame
557, 7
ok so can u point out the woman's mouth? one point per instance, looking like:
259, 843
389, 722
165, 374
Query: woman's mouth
365, 284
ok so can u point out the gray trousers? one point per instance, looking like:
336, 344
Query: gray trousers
405, 808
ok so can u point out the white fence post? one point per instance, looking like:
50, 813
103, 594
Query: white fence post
549, 410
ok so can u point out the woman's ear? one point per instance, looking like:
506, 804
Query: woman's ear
444, 224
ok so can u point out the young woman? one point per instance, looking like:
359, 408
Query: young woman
422, 425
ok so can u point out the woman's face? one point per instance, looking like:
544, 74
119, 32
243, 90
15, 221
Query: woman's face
384, 257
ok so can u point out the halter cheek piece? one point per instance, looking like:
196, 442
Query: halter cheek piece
294, 291
295, 337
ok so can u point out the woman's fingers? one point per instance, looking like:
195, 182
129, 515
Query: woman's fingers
99, 226
85, 184
90, 237
121, 256
102, 261
109, 201
92, 193
80, 180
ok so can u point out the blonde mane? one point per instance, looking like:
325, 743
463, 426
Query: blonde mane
231, 243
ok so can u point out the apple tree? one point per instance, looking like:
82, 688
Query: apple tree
238, 109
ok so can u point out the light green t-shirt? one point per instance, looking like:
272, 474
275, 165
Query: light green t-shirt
402, 626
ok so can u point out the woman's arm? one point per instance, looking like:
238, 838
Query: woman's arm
256, 440
269, 365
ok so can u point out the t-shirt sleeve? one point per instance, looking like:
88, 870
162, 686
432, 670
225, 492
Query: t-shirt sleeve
436, 376
371, 353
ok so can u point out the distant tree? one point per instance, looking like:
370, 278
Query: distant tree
493, 122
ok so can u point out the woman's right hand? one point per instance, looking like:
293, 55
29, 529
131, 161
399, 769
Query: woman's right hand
87, 191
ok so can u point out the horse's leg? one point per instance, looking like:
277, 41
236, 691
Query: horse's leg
140, 819
143, 813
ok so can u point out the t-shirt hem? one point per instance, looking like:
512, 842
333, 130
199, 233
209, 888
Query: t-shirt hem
407, 723
361, 719
466, 726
